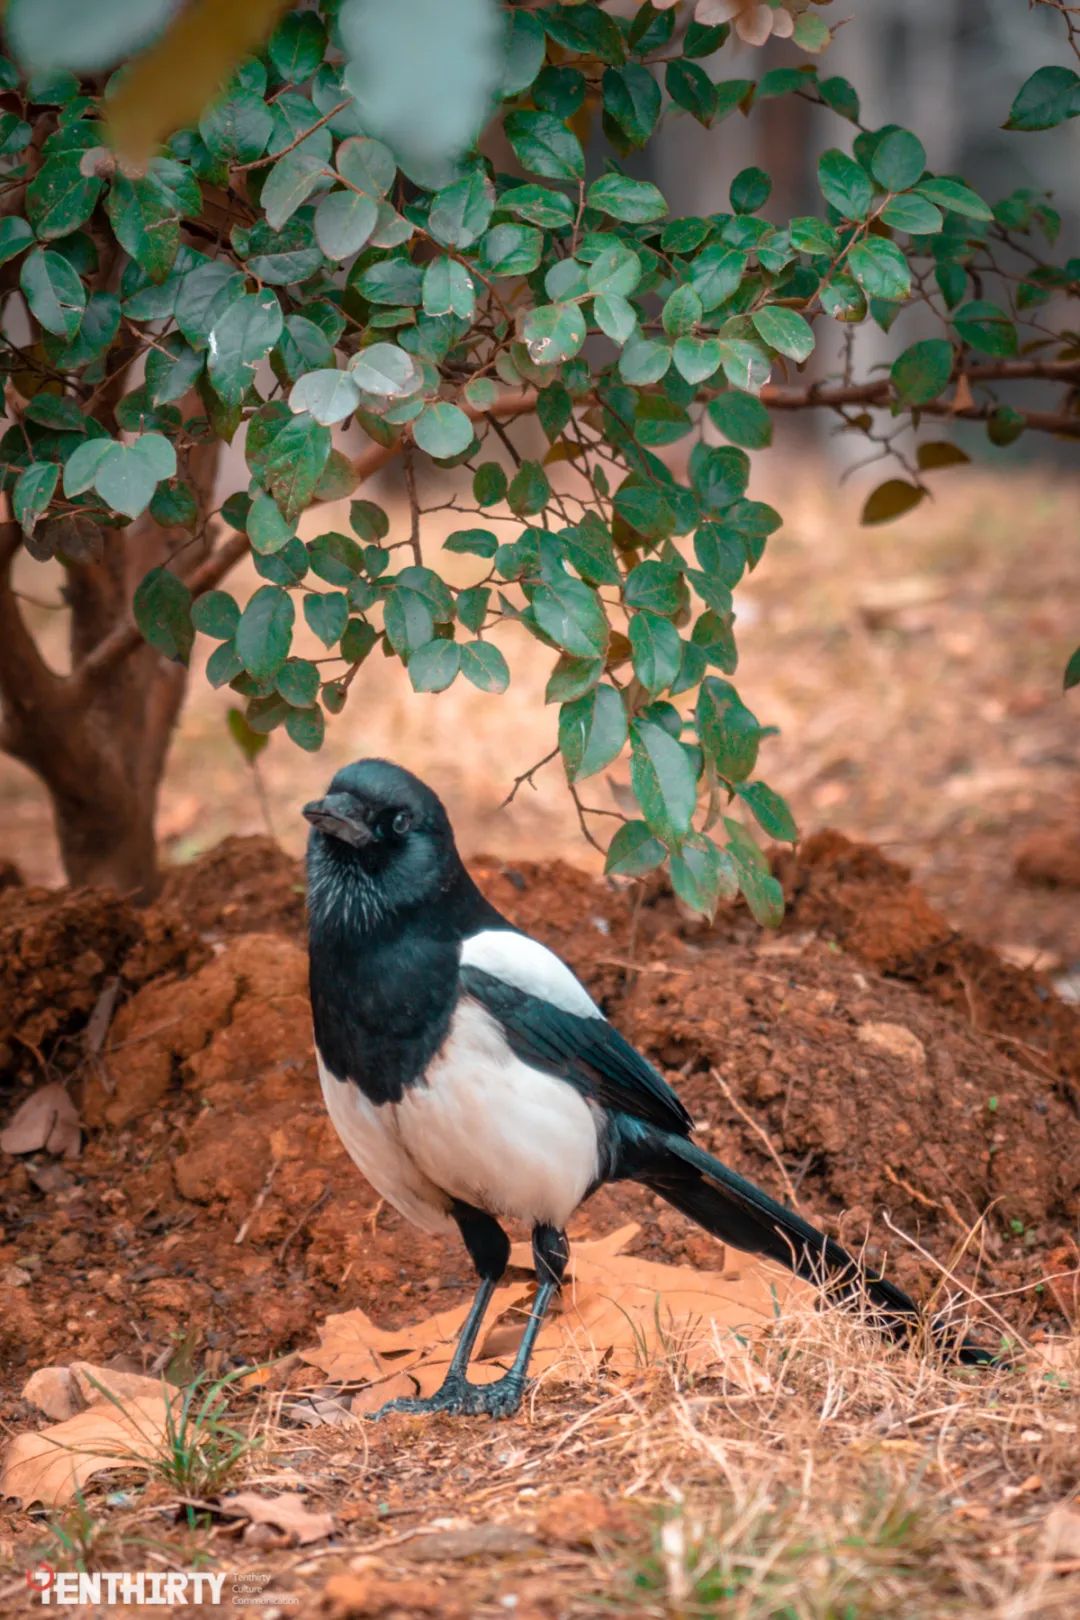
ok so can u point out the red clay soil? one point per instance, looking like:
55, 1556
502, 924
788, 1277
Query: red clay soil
212, 1218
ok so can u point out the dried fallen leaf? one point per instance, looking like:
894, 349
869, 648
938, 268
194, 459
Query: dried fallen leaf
288, 1512
47, 1119
617, 1311
51, 1466
60, 1392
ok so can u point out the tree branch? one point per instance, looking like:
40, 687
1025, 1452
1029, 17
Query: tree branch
126, 638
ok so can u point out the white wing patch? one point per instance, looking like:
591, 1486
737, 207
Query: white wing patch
529, 966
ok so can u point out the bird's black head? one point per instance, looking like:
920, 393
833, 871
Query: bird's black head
380, 843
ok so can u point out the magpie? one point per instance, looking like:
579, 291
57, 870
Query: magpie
473, 1079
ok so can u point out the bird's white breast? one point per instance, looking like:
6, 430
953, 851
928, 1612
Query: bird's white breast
494, 1131
482, 1126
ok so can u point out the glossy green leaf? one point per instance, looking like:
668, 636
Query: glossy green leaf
663, 781
923, 371
592, 732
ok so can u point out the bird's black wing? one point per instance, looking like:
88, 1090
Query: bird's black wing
585, 1051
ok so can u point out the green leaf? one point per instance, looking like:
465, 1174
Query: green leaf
241, 338
473, 542
570, 612
293, 462
34, 489
250, 742
267, 529
812, 235
489, 484
700, 873
913, 214
729, 733
215, 614
838, 94
433, 666
890, 500
592, 732
663, 781
327, 614
171, 370
297, 46
986, 327
770, 811
82, 465
1049, 97
264, 634
691, 88
632, 98
238, 128
880, 269
1072, 671
784, 330
954, 196
544, 146
511, 250
539, 205
922, 372
742, 419
844, 184
636, 201
615, 271
15, 237
656, 586
644, 361
761, 891
553, 333
681, 312
449, 289
720, 475
656, 651
306, 728
289, 184
386, 370
162, 610
697, 359
330, 396
485, 666
633, 851
128, 474
53, 291
750, 190
298, 682
443, 431
60, 198
344, 221
898, 161
529, 490
335, 558
461, 213
408, 620
716, 274
146, 222
173, 506
616, 318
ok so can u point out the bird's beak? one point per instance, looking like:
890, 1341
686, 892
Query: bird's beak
339, 817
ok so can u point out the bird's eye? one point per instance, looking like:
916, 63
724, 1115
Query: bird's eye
401, 823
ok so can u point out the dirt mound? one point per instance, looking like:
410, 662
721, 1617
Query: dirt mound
1050, 858
242, 886
58, 950
213, 1213
854, 895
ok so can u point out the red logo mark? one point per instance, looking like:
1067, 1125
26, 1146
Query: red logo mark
40, 1578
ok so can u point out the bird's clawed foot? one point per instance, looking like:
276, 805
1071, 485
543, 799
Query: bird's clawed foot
460, 1398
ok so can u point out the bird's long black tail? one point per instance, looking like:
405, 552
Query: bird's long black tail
739, 1213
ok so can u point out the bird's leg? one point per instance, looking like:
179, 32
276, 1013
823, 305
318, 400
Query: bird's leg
489, 1248
551, 1251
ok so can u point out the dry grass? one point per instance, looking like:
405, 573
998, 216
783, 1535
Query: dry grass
851, 1483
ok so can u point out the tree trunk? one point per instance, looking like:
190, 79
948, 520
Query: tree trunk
99, 738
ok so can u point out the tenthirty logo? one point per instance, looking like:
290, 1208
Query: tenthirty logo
141, 1587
